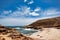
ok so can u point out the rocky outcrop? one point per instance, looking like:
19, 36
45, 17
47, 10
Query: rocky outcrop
11, 34
45, 23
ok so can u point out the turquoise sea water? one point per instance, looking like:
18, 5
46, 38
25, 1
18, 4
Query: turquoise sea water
27, 31
24, 31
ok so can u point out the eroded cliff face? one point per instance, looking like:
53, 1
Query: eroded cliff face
11, 34
46, 23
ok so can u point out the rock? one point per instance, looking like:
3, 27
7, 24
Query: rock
45, 23
11, 34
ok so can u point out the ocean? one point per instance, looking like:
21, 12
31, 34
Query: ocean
23, 30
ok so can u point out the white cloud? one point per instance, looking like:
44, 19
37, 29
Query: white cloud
34, 14
25, 11
31, 2
16, 21
25, 0
37, 9
6, 12
21, 11
16, 13
51, 11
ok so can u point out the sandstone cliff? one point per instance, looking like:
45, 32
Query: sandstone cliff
45, 23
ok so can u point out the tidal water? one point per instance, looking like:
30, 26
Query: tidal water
24, 30
27, 31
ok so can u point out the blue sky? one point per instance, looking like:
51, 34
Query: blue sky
24, 12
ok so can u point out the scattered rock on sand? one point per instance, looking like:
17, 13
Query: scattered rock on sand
11, 34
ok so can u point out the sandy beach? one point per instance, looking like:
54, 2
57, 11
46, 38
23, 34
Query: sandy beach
47, 34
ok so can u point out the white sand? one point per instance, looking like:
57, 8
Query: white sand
47, 34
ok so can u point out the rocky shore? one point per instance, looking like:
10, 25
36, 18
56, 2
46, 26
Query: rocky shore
11, 34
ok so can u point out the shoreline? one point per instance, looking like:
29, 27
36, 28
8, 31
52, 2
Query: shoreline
47, 34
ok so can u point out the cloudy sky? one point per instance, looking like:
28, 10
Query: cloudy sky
24, 12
